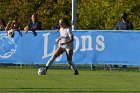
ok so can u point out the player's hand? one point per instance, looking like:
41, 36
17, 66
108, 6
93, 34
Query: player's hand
57, 40
57, 30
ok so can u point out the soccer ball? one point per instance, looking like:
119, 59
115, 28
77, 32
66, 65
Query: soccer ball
42, 71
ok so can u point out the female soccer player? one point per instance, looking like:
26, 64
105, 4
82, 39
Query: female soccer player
65, 42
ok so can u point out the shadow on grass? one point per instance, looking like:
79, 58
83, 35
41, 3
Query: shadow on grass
84, 90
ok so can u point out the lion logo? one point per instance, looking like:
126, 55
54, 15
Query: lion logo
7, 46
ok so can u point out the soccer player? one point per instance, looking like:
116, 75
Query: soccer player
65, 42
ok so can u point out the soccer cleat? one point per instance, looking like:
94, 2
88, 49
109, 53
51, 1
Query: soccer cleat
76, 72
44, 72
46, 68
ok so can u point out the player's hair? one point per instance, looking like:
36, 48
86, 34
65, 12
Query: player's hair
64, 21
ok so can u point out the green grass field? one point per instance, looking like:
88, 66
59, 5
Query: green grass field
63, 81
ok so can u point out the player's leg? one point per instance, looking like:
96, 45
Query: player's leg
58, 52
69, 54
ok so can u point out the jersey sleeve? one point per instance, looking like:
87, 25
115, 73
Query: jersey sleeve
70, 34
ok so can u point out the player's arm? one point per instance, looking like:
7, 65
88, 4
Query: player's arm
70, 40
57, 40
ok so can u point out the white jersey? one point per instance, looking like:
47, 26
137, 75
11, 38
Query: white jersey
65, 35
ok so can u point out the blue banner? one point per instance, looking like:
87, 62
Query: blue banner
91, 47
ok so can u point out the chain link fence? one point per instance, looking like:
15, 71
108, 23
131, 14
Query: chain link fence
65, 66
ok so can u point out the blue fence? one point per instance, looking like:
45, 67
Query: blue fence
91, 47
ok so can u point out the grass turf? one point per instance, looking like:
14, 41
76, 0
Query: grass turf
63, 81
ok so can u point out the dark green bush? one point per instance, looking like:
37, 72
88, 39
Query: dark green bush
91, 14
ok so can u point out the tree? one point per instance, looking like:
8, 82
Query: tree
91, 14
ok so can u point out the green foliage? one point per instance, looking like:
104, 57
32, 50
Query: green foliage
103, 14
91, 14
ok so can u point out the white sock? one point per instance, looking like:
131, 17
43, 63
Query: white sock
72, 65
49, 63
